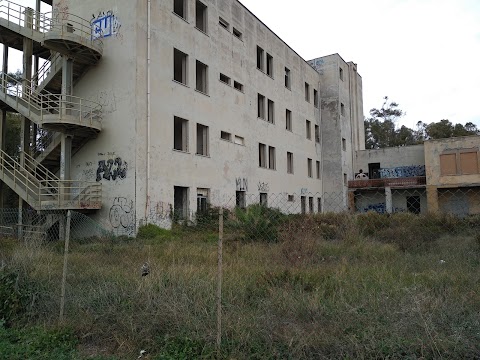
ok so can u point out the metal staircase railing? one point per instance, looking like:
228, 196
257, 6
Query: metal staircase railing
47, 107
52, 65
56, 21
43, 190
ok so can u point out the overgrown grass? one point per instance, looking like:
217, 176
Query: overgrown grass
331, 286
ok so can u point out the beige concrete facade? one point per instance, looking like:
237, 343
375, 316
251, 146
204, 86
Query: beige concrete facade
134, 82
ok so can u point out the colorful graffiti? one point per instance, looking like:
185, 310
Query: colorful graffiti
403, 172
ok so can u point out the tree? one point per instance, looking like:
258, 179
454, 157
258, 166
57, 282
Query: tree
381, 130
445, 129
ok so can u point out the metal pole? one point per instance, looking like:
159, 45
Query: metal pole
219, 282
65, 263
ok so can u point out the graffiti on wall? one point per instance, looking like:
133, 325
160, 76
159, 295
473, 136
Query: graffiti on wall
112, 169
122, 216
263, 187
105, 24
159, 213
403, 171
241, 184
317, 64
60, 11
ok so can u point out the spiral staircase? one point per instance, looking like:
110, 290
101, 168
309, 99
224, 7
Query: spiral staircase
65, 41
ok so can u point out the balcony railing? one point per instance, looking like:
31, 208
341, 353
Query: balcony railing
389, 182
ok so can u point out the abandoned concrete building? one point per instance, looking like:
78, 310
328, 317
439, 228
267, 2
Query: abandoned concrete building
134, 109
437, 176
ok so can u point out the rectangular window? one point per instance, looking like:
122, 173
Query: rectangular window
260, 60
319, 205
271, 158
225, 79
202, 140
238, 86
264, 199
240, 199
308, 129
469, 163
225, 136
180, 134
287, 78
239, 140
288, 120
180, 202
223, 23
271, 111
262, 155
318, 169
202, 200
317, 134
269, 65
291, 198
261, 106
303, 202
180, 8
237, 33
342, 109
310, 205
345, 179
340, 73
289, 163
413, 204
309, 168
448, 164
202, 77
201, 16
315, 98
307, 92
344, 144
180, 66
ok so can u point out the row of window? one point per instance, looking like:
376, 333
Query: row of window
227, 80
265, 64
180, 8
267, 160
224, 24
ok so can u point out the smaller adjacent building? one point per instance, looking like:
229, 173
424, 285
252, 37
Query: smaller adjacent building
439, 175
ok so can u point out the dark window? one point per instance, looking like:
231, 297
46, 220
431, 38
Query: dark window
180, 8
413, 204
240, 199
180, 202
180, 66
201, 16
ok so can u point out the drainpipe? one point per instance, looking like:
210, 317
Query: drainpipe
149, 29
321, 144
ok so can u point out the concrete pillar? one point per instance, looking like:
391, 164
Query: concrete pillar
351, 201
65, 164
3, 122
25, 123
67, 84
432, 199
388, 199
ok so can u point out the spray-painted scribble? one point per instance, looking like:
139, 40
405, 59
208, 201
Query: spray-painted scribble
105, 24
263, 187
241, 184
112, 169
403, 172
122, 216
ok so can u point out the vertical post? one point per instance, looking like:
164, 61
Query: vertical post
3, 118
25, 123
65, 263
67, 84
388, 199
65, 165
219, 282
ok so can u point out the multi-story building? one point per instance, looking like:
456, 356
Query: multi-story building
164, 106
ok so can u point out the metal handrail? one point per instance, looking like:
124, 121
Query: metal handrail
86, 112
43, 142
49, 191
53, 62
56, 21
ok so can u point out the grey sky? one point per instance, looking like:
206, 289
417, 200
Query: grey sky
423, 54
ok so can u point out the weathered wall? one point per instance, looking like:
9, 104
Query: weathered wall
435, 148
391, 157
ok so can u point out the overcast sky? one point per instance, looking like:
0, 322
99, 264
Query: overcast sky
423, 54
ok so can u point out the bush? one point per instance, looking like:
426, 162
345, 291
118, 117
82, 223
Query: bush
12, 300
151, 231
258, 223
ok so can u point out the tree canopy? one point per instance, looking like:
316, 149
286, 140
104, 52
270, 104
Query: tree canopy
381, 128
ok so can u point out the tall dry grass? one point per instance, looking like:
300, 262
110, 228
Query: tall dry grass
328, 288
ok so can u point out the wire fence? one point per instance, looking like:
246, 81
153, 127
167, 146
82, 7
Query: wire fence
260, 269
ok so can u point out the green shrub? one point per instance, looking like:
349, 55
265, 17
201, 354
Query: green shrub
151, 231
12, 300
258, 223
